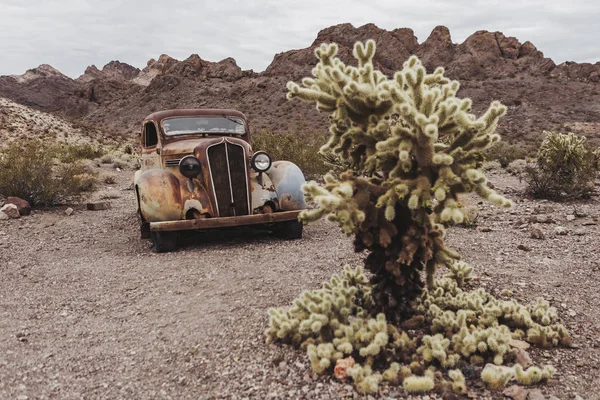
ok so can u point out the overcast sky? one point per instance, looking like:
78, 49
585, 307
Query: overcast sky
72, 34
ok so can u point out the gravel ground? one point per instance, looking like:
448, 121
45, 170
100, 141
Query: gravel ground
88, 311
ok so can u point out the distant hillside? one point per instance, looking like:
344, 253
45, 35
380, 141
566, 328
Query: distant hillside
491, 66
19, 122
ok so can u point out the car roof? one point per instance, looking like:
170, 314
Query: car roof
191, 112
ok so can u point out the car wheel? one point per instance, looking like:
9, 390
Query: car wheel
144, 228
290, 230
163, 242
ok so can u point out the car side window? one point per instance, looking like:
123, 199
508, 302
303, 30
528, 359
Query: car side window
150, 135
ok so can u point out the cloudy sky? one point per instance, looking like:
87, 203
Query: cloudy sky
72, 34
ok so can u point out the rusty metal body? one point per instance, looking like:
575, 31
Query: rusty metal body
226, 192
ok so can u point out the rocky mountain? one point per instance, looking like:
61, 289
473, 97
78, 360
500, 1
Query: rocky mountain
491, 66
19, 122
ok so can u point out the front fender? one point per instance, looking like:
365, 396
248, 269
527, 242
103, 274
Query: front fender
287, 180
163, 197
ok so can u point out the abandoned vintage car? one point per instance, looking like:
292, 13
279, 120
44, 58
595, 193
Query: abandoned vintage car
199, 171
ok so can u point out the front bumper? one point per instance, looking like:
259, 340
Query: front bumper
221, 222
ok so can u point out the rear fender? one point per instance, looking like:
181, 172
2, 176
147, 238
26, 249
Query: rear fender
287, 179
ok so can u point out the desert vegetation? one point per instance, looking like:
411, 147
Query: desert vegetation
50, 173
301, 148
414, 147
43, 174
566, 167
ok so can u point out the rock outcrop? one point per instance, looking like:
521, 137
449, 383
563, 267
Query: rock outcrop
490, 66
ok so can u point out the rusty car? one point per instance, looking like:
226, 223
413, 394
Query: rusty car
198, 171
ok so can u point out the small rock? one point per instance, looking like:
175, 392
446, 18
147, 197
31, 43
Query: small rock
579, 232
102, 205
11, 210
588, 223
544, 219
523, 358
22, 205
560, 230
570, 217
485, 229
516, 392
552, 397
118, 169
3, 216
69, 211
572, 313
535, 394
523, 247
519, 344
537, 233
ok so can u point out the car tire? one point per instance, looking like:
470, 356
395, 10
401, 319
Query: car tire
144, 229
163, 242
290, 230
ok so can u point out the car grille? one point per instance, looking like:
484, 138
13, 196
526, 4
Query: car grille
172, 163
229, 175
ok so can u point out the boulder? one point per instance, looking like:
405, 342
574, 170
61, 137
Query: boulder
11, 210
22, 205
3, 216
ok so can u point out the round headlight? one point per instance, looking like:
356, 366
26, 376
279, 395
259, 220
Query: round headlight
189, 166
261, 161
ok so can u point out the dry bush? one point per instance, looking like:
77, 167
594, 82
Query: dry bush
109, 179
27, 171
107, 159
565, 168
301, 149
506, 153
69, 153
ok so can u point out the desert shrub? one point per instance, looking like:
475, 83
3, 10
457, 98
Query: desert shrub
565, 168
69, 153
109, 179
27, 171
415, 151
128, 149
300, 148
119, 164
506, 153
107, 159
518, 167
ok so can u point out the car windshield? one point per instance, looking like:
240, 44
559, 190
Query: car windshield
208, 124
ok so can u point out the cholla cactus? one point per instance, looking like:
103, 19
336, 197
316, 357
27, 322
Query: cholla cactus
403, 186
565, 167
411, 148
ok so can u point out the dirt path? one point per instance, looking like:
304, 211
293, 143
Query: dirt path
88, 311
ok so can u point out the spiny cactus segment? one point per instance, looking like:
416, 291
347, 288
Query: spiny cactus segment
414, 146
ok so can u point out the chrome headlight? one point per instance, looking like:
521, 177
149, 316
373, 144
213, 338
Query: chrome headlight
260, 161
190, 167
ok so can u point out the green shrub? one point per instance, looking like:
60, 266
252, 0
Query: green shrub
300, 148
68, 153
565, 168
27, 171
107, 159
506, 153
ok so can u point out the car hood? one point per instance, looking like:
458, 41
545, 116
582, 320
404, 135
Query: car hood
188, 146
